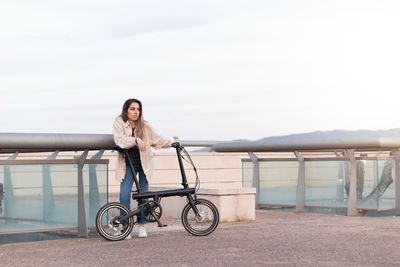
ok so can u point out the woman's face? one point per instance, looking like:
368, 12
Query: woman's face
133, 111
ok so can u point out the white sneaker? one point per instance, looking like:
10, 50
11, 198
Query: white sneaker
128, 237
142, 232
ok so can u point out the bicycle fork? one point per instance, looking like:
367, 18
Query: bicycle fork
191, 202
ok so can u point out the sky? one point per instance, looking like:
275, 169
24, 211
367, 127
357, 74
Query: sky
204, 70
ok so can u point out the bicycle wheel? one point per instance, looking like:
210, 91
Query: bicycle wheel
205, 222
107, 225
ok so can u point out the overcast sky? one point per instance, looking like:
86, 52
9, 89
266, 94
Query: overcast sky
204, 70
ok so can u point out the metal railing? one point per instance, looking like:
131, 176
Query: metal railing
47, 193
345, 148
17, 143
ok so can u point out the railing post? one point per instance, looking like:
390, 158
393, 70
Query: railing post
9, 199
300, 202
82, 224
352, 202
397, 182
94, 197
47, 190
256, 175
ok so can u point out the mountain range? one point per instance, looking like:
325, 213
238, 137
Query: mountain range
334, 134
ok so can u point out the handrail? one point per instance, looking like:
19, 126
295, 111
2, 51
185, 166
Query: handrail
38, 142
315, 144
45, 142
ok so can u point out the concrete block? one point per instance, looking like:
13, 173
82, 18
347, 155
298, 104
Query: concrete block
234, 204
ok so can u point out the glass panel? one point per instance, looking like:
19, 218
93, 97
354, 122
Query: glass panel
23, 192
1, 192
386, 184
95, 179
46, 196
378, 191
278, 182
325, 184
247, 168
64, 184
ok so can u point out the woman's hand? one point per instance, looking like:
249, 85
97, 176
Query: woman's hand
140, 144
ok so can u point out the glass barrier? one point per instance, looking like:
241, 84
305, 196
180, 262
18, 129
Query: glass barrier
247, 174
326, 183
379, 179
95, 180
46, 196
278, 182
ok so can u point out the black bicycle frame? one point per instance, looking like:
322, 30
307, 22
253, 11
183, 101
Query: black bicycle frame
156, 195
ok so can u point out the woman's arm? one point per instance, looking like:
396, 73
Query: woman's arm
120, 138
159, 141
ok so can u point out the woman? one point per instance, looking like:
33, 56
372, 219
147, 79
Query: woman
132, 131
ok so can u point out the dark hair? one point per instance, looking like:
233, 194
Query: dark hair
139, 121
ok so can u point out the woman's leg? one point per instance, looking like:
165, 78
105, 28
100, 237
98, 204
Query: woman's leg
144, 186
126, 188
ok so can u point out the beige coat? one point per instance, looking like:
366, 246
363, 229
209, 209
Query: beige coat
123, 138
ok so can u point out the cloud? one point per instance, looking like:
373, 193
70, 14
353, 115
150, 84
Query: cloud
88, 21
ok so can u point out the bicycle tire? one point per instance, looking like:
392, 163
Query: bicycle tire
201, 225
106, 226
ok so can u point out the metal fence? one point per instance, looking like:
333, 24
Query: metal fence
347, 156
54, 193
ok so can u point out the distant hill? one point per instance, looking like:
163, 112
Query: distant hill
334, 134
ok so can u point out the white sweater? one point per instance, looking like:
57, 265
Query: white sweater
123, 138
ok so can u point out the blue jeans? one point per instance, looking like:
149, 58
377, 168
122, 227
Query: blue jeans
126, 184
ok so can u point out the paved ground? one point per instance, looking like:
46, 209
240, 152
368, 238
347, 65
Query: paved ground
276, 238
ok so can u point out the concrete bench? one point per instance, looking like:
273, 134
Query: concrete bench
234, 204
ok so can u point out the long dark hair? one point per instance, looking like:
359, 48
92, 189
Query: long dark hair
139, 121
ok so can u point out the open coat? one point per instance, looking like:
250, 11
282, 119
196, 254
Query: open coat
123, 137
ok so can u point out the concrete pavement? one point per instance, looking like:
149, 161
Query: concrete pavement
275, 238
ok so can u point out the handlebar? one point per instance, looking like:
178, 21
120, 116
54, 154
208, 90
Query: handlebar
176, 145
120, 149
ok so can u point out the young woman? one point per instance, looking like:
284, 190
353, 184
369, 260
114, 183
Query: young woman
132, 131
